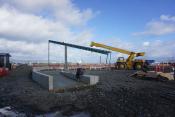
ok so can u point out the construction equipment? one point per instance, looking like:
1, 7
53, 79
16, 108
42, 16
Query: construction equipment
129, 63
5, 64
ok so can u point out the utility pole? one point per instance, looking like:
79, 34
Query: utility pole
107, 59
110, 59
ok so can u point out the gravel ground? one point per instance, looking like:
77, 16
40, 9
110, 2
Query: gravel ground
125, 96
116, 94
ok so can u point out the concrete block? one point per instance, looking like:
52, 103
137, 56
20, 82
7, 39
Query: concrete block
46, 81
93, 79
88, 79
68, 75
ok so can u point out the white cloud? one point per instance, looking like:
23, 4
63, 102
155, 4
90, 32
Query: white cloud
146, 43
160, 49
153, 49
28, 27
21, 47
118, 43
63, 10
25, 27
167, 18
165, 25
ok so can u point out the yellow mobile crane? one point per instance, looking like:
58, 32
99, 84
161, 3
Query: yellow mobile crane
129, 63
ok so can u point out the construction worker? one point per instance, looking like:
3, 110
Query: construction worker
79, 72
145, 67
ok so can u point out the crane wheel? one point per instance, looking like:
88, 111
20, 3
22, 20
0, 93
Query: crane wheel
121, 66
138, 66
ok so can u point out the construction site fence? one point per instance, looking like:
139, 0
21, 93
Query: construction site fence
73, 67
166, 68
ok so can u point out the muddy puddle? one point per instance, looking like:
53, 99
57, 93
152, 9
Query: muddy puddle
9, 112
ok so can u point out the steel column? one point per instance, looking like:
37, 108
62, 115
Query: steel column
48, 53
65, 64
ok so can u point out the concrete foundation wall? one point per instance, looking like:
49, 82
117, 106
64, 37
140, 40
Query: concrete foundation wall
46, 81
88, 79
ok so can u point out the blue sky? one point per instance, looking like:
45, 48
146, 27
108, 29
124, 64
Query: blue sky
120, 18
136, 25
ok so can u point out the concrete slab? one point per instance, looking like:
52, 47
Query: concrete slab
46, 81
60, 81
88, 79
53, 80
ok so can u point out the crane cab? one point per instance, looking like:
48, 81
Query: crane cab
120, 63
121, 59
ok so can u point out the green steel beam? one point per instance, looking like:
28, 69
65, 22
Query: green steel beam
81, 47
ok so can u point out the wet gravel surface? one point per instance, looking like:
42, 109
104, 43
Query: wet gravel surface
121, 95
116, 94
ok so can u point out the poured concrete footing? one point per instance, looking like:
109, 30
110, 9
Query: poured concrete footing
87, 79
60, 81
46, 81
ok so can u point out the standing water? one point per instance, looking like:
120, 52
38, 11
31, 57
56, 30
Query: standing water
8, 112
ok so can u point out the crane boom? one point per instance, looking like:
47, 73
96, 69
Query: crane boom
110, 48
129, 60
116, 49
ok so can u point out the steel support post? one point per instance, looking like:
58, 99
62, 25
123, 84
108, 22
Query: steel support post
48, 54
65, 64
